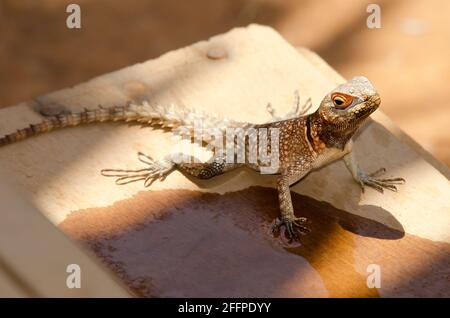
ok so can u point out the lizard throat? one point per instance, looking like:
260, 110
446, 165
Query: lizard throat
322, 134
313, 138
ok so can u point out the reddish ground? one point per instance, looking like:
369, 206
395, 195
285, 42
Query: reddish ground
180, 243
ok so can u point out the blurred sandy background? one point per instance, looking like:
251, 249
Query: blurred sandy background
408, 59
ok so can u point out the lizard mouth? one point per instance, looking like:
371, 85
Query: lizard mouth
366, 107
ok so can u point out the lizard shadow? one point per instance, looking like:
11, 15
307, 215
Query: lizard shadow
226, 247
389, 228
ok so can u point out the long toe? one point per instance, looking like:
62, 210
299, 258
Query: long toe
393, 180
374, 185
302, 228
378, 173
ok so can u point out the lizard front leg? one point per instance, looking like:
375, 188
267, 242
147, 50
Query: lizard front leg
371, 180
288, 218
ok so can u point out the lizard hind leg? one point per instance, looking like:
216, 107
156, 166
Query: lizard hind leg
157, 169
207, 170
297, 109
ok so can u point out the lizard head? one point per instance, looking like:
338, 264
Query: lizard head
349, 104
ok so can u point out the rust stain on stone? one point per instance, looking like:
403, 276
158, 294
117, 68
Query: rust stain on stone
184, 243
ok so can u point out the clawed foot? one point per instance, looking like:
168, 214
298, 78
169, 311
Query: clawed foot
293, 226
371, 180
296, 111
156, 170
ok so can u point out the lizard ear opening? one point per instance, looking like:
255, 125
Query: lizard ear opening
341, 101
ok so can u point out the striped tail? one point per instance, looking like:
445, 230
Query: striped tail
144, 113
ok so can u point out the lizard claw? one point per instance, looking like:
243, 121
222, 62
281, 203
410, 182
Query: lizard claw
378, 184
156, 170
297, 110
293, 226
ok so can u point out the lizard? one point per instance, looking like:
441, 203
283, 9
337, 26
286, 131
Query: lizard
307, 142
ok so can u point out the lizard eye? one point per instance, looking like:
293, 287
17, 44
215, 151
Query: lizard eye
341, 101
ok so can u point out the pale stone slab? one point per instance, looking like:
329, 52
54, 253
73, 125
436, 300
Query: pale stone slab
35, 255
59, 172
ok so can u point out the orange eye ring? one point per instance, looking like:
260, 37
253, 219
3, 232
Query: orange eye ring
341, 101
